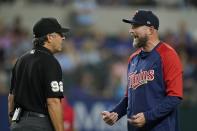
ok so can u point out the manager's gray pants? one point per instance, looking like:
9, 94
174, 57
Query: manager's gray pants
28, 123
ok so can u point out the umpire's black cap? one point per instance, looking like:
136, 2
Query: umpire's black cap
144, 17
48, 25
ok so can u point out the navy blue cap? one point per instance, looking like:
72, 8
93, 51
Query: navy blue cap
46, 26
144, 17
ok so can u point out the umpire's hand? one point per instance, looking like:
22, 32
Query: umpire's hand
109, 118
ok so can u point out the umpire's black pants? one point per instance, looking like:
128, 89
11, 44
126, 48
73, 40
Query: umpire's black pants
30, 123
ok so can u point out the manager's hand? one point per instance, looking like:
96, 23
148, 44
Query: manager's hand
137, 120
109, 117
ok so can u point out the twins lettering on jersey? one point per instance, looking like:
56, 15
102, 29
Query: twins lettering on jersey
141, 78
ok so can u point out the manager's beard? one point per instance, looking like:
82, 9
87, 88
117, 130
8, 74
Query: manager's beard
140, 42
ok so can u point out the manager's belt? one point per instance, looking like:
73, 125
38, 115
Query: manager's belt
33, 114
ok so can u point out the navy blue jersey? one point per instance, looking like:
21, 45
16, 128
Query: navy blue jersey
152, 76
155, 88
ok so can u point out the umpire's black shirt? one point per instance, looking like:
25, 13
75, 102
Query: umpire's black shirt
36, 76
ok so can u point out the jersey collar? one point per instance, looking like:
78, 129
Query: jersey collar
42, 48
144, 54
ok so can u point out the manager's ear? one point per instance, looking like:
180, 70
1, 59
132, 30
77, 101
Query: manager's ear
151, 30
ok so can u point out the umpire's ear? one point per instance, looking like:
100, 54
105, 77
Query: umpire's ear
49, 37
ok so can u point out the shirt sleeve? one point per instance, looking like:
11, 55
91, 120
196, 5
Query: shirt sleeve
121, 107
53, 78
13, 79
12, 82
172, 70
163, 109
172, 75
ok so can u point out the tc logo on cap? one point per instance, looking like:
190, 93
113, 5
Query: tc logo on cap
148, 22
136, 12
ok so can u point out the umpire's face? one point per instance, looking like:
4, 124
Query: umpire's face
55, 40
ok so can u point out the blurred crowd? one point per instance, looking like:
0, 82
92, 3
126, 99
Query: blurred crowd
166, 3
94, 63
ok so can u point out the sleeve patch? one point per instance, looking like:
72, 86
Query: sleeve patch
57, 87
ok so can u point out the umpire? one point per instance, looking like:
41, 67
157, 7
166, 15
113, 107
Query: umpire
34, 101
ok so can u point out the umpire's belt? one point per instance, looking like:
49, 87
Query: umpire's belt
33, 114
